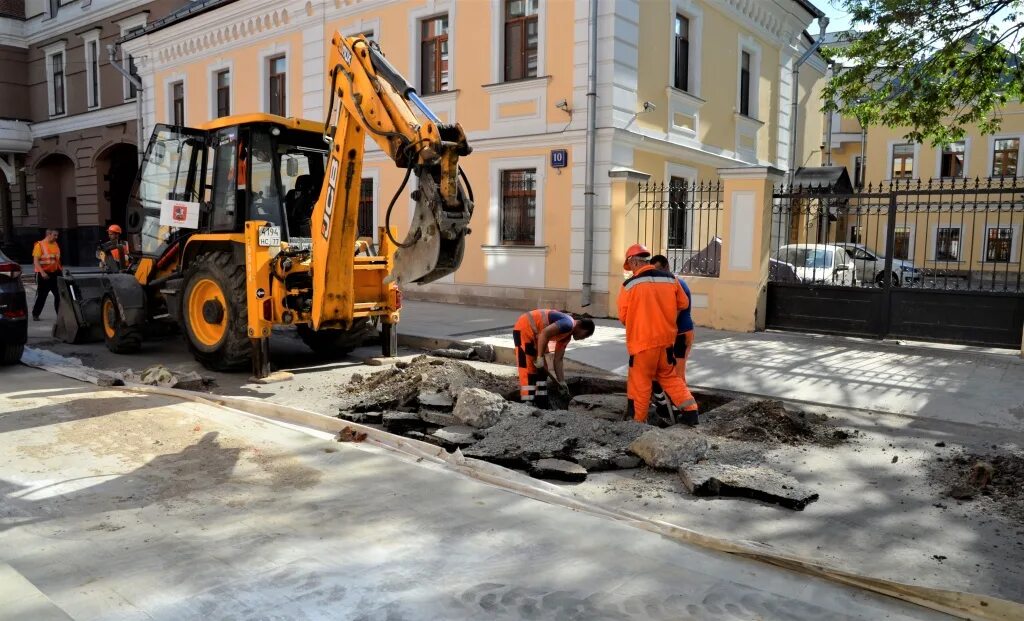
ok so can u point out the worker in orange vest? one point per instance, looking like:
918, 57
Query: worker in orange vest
649, 304
540, 337
115, 247
46, 261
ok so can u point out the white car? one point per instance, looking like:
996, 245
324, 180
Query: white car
826, 264
870, 266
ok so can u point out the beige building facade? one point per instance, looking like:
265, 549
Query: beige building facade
684, 88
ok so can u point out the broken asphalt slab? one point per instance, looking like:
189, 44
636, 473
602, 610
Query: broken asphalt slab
757, 483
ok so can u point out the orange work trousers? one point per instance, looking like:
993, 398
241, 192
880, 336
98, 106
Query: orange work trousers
533, 385
655, 365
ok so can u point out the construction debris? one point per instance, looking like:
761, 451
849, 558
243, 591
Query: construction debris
670, 449
607, 407
461, 351
478, 408
558, 470
996, 480
757, 483
159, 375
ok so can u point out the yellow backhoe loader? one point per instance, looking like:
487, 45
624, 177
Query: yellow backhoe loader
250, 222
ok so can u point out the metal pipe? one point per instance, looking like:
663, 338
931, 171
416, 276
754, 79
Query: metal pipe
828, 120
823, 25
140, 137
863, 156
588, 190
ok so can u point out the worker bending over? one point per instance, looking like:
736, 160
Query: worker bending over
649, 305
540, 337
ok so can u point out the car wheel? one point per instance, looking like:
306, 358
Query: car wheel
11, 354
894, 280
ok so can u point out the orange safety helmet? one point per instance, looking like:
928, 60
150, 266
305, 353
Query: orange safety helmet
636, 250
113, 228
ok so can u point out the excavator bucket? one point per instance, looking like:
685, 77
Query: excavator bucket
80, 318
437, 237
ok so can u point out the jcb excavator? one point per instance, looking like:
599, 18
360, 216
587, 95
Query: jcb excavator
250, 222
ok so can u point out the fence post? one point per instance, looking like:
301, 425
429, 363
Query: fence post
740, 298
624, 224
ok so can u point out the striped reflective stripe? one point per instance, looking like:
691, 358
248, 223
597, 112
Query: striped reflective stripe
660, 280
687, 403
533, 322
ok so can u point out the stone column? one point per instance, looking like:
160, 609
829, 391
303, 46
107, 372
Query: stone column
625, 222
739, 299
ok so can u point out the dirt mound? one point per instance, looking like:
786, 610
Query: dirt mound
996, 479
401, 385
768, 422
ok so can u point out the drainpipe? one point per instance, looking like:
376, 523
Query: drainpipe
823, 25
828, 120
137, 83
588, 191
863, 156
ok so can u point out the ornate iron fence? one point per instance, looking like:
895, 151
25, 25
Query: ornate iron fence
681, 220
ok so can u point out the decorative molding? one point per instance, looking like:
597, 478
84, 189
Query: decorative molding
15, 136
682, 103
78, 122
524, 251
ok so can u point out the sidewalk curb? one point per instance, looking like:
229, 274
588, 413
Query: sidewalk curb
502, 354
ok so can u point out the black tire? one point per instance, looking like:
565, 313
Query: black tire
120, 337
894, 280
232, 350
11, 354
334, 343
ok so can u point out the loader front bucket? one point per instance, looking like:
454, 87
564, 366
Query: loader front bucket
80, 319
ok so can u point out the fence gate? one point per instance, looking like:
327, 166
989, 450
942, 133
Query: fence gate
934, 261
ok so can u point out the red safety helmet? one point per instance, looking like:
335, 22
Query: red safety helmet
636, 250
113, 228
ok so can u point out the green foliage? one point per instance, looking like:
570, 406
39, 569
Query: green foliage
934, 66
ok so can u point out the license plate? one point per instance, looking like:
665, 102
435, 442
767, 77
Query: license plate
270, 236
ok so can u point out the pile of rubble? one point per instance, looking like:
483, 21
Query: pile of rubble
456, 406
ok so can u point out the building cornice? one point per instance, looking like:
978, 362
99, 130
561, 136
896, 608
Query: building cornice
96, 118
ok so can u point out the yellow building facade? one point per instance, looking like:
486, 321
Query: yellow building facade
684, 88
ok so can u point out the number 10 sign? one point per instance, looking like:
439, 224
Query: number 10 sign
559, 158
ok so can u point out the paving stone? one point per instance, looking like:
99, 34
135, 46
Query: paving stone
758, 483
558, 469
671, 448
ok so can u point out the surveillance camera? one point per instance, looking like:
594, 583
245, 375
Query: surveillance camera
649, 107
562, 104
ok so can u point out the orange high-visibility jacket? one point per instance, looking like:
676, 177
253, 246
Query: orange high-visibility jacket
649, 304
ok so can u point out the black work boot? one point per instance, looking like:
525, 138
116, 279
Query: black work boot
690, 418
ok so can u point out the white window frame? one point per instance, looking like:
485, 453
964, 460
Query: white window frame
889, 158
92, 68
277, 49
49, 52
433, 8
749, 45
932, 250
499, 165
992, 152
370, 28
498, 36
1014, 243
129, 23
690, 175
967, 160
690, 10
213, 70
169, 83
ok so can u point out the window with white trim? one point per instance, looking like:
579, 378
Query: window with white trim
434, 75
521, 39
129, 26
947, 243
681, 79
902, 243
745, 82
277, 85
222, 84
903, 161
92, 71
56, 83
518, 207
952, 160
177, 97
1005, 152
998, 244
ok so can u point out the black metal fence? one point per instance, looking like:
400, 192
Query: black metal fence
681, 220
939, 234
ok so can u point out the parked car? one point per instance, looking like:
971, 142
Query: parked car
13, 312
819, 263
870, 267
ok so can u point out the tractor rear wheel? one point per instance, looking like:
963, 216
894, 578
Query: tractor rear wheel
214, 313
120, 337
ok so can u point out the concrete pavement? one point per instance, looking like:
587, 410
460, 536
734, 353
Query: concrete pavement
949, 383
126, 506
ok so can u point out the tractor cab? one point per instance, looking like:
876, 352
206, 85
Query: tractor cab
214, 178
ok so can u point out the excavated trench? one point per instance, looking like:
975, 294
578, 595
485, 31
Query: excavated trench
459, 407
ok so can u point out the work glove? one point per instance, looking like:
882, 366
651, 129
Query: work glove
539, 363
564, 387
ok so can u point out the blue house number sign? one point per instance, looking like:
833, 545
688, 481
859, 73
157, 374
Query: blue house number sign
559, 158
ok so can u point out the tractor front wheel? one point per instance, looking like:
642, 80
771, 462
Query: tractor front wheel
214, 313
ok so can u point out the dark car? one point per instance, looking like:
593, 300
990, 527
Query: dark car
13, 312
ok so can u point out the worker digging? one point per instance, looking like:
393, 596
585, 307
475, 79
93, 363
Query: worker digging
541, 337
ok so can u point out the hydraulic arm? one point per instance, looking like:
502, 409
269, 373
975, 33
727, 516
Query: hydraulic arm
369, 97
